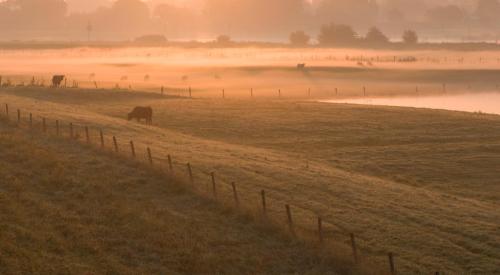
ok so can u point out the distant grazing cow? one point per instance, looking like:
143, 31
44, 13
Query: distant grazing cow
301, 66
142, 113
57, 80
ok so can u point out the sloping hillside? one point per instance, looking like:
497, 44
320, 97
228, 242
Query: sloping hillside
65, 209
419, 183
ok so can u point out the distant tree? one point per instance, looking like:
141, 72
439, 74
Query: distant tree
410, 37
223, 40
375, 36
299, 38
337, 35
152, 39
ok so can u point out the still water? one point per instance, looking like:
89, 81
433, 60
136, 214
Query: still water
472, 102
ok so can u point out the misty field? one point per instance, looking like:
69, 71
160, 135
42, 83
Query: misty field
420, 183
208, 71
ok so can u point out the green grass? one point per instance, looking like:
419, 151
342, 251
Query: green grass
67, 209
420, 183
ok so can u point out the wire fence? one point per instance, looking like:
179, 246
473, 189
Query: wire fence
298, 222
335, 90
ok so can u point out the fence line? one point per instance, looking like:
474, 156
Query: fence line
218, 186
161, 90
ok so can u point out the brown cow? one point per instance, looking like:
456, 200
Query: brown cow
57, 80
142, 113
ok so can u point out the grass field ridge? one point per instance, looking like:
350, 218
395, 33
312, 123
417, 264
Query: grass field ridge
365, 203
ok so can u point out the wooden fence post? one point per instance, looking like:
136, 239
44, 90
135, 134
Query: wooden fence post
150, 157
263, 196
289, 218
71, 135
279, 92
44, 125
115, 143
170, 165
190, 173
235, 194
354, 248
214, 190
18, 116
132, 148
31, 121
87, 135
7, 110
101, 134
57, 127
320, 229
190, 92
391, 264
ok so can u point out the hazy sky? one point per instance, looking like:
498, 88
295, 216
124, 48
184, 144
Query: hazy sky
243, 19
90, 5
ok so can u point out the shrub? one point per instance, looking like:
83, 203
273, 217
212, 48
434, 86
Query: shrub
299, 38
375, 36
151, 39
223, 39
410, 37
332, 34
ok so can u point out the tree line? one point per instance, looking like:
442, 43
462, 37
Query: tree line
242, 19
344, 35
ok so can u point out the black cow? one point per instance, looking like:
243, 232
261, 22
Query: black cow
142, 113
57, 80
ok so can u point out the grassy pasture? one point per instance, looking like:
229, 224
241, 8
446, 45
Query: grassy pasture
66, 209
208, 71
420, 183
